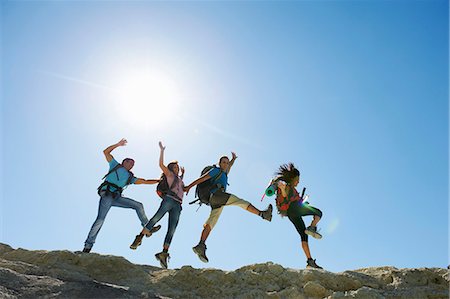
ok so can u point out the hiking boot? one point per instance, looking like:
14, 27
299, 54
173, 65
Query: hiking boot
310, 263
267, 214
138, 240
200, 250
86, 250
153, 230
162, 257
312, 231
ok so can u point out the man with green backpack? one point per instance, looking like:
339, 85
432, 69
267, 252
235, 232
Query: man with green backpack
110, 191
211, 189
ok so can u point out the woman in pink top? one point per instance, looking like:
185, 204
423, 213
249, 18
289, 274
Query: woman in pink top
171, 204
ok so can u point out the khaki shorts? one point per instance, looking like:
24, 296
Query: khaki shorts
232, 201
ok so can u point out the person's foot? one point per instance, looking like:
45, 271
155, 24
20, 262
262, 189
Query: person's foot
154, 229
86, 250
310, 263
312, 231
162, 257
267, 214
137, 241
200, 250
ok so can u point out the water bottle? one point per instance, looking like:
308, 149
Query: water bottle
271, 189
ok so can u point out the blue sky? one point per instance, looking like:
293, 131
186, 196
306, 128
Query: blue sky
355, 93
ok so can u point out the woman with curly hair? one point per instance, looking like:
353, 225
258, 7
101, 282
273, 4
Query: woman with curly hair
290, 204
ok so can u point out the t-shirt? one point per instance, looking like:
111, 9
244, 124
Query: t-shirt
118, 177
219, 183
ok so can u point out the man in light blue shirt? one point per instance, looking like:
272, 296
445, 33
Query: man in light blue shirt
218, 199
110, 191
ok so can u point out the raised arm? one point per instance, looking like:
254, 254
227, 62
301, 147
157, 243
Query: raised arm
234, 157
182, 172
163, 167
107, 151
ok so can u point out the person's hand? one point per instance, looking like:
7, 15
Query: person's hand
186, 189
161, 146
233, 154
281, 185
182, 170
122, 142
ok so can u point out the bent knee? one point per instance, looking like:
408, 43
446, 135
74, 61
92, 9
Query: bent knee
304, 238
139, 206
318, 213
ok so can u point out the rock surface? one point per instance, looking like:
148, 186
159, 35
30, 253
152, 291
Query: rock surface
65, 274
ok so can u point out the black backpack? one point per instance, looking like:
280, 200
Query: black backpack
203, 190
162, 189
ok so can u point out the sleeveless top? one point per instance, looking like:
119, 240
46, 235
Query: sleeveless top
283, 203
177, 188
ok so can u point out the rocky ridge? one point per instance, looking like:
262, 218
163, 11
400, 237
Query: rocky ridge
65, 274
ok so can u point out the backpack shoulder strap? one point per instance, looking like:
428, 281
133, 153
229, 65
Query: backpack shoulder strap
164, 177
218, 175
130, 177
112, 170
115, 168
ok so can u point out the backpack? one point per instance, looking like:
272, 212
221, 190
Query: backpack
163, 189
203, 190
283, 203
118, 190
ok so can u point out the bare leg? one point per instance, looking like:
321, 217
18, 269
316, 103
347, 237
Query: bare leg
253, 210
316, 219
205, 232
305, 247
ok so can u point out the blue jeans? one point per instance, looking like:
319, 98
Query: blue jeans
173, 207
106, 202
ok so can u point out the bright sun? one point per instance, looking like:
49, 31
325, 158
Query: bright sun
147, 99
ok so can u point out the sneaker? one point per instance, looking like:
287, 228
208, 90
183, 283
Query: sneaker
312, 231
162, 257
200, 250
267, 214
86, 250
310, 263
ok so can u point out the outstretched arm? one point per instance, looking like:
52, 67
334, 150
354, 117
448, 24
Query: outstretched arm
148, 182
231, 162
107, 151
161, 160
201, 179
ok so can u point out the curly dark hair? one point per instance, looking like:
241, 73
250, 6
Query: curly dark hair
287, 172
